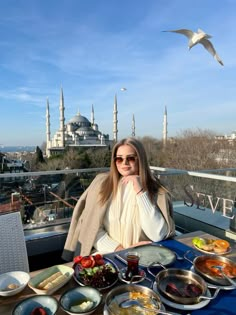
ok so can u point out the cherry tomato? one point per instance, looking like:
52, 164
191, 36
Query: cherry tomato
97, 257
77, 259
100, 262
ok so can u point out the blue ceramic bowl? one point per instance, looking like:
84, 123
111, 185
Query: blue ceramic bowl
81, 300
49, 303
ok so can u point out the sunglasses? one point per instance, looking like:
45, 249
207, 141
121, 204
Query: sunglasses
129, 159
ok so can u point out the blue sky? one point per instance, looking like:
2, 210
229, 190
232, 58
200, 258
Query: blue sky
92, 48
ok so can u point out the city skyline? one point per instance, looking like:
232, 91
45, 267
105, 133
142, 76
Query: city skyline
92, 49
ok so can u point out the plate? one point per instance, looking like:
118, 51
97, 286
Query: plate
211, 252
149, 254
66, 271
108, 262
18, 278
141, 276
186, 307
215, 286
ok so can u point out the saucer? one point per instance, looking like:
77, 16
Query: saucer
136, 279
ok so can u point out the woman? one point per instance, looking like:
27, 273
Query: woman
124, 208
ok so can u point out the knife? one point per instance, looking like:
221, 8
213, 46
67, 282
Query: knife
117, 256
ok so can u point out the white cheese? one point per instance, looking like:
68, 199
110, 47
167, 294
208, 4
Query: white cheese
85, 306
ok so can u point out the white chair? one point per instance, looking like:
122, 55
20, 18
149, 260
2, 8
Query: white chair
13, 252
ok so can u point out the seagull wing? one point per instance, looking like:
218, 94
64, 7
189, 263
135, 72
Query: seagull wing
183, 31
208, 45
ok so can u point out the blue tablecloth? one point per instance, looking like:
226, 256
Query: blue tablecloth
224, 303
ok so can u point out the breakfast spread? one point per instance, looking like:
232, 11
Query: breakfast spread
217, 246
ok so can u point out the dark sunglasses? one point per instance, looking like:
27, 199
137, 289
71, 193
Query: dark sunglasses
129, 159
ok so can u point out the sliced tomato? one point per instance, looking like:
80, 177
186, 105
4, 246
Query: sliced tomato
77, 259
93, 262
87, 262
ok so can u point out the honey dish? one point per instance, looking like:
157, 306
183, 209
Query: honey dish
38, 304
13, 282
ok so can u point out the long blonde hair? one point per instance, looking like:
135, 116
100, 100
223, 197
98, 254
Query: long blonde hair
110, 184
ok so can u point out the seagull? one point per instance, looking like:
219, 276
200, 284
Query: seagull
199, 37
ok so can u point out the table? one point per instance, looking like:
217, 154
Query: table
223, 304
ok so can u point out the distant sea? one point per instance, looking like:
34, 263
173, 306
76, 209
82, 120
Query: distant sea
17, 148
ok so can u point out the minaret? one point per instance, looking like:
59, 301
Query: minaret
62, 120
165, 128
48, 132
115, 120
133, 127
92, 116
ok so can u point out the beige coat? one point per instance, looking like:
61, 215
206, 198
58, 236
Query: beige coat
88, 216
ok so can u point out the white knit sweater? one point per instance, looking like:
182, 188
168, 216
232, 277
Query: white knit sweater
130, 218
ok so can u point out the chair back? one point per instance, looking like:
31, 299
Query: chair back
13, 252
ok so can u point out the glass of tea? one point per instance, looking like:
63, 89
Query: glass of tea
132, 259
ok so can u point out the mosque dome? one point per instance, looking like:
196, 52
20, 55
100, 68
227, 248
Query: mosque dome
80, 121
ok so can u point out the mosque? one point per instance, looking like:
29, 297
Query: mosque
80, 132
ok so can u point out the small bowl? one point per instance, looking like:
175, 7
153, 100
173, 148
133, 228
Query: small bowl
47, 302
79, 295
17, 279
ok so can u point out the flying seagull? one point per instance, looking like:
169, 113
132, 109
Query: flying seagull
199, 37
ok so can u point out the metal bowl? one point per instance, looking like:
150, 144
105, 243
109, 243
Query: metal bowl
203, 266
181, 279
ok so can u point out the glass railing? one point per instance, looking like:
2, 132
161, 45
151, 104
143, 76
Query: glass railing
202, 200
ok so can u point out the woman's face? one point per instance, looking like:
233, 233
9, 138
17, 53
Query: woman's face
126, 161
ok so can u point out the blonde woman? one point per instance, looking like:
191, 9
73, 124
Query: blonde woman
123, 208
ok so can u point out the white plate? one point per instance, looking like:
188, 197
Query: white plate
34, 282
153, 253
215, 286
189, 307
212, 252
19, 278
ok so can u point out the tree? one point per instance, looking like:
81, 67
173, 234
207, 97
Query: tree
39, 156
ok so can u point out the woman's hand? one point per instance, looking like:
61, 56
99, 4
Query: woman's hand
135, 179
